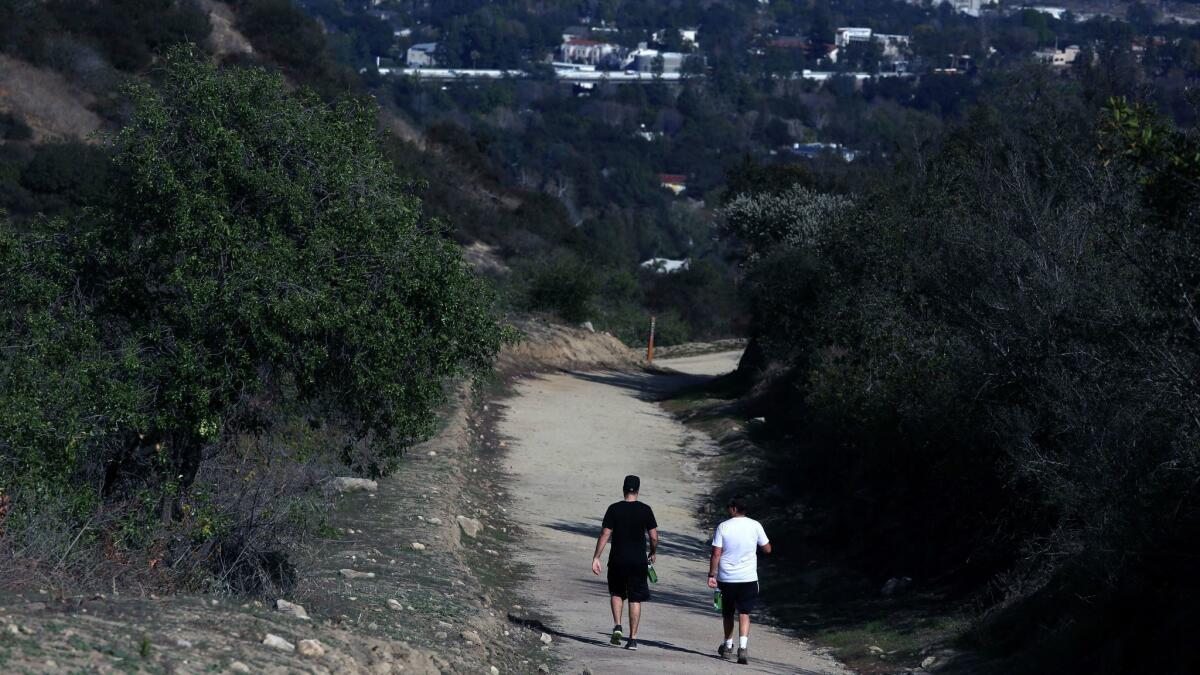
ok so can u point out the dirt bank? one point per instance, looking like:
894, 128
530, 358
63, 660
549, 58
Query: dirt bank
548, 346
441, 608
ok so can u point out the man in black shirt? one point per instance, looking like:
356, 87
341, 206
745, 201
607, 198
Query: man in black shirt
626, 522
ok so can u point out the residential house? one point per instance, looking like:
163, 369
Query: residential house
676, 183
845, 35
646, 60
590, 52
422, 55
893, 45
1058, 58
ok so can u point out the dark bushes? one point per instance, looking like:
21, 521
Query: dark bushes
562, 285
985, 369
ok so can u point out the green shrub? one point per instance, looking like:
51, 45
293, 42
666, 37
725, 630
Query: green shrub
562, 285
255, 258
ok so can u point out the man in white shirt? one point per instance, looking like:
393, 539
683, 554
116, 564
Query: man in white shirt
734, 569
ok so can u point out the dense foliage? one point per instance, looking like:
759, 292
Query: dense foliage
994, 357
256, 262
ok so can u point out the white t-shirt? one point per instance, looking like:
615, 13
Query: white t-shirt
739, 539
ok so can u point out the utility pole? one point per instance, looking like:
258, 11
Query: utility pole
650, 345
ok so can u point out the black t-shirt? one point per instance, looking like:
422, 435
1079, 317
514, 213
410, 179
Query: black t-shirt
629, 522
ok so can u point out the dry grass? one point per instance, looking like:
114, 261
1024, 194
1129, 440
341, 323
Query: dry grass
49, 104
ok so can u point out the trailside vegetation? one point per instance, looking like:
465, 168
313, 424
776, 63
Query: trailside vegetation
981, 373
257, 301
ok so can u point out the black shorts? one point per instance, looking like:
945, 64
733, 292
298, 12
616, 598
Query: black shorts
628, 582
741, 598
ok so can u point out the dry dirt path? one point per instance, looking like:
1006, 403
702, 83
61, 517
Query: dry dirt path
573, 437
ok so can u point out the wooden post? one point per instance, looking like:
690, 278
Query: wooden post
650, 345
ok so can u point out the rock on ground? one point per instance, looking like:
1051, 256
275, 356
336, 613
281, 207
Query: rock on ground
344, 484
276, 642
470, 526
355, 574
290, 608
311, 648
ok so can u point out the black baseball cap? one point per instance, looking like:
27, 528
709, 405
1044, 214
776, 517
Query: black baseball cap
632, 484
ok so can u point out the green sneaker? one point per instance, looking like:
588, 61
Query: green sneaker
616, 636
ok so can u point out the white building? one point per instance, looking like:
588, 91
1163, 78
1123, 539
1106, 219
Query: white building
1058, 58
645, 60
846, 35
893, 45
590, 52
968, 7
421, 55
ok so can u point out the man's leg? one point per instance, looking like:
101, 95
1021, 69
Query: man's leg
617, 604
743, 627
728, 618
635, 617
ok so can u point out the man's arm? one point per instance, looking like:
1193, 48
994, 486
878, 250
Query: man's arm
713, 562
604, 535
653, 543
766, 548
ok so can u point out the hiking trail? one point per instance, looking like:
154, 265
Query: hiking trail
573, 436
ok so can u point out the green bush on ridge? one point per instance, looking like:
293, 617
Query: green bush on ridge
256, 256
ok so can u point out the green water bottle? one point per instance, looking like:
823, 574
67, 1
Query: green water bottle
717, 604
651, 573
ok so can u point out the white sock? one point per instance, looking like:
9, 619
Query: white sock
743, 640
729, 643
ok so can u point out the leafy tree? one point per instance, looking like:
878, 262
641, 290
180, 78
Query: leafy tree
256, 253
264, 245
795, 218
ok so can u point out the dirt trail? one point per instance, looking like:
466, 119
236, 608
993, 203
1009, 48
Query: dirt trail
574, 436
